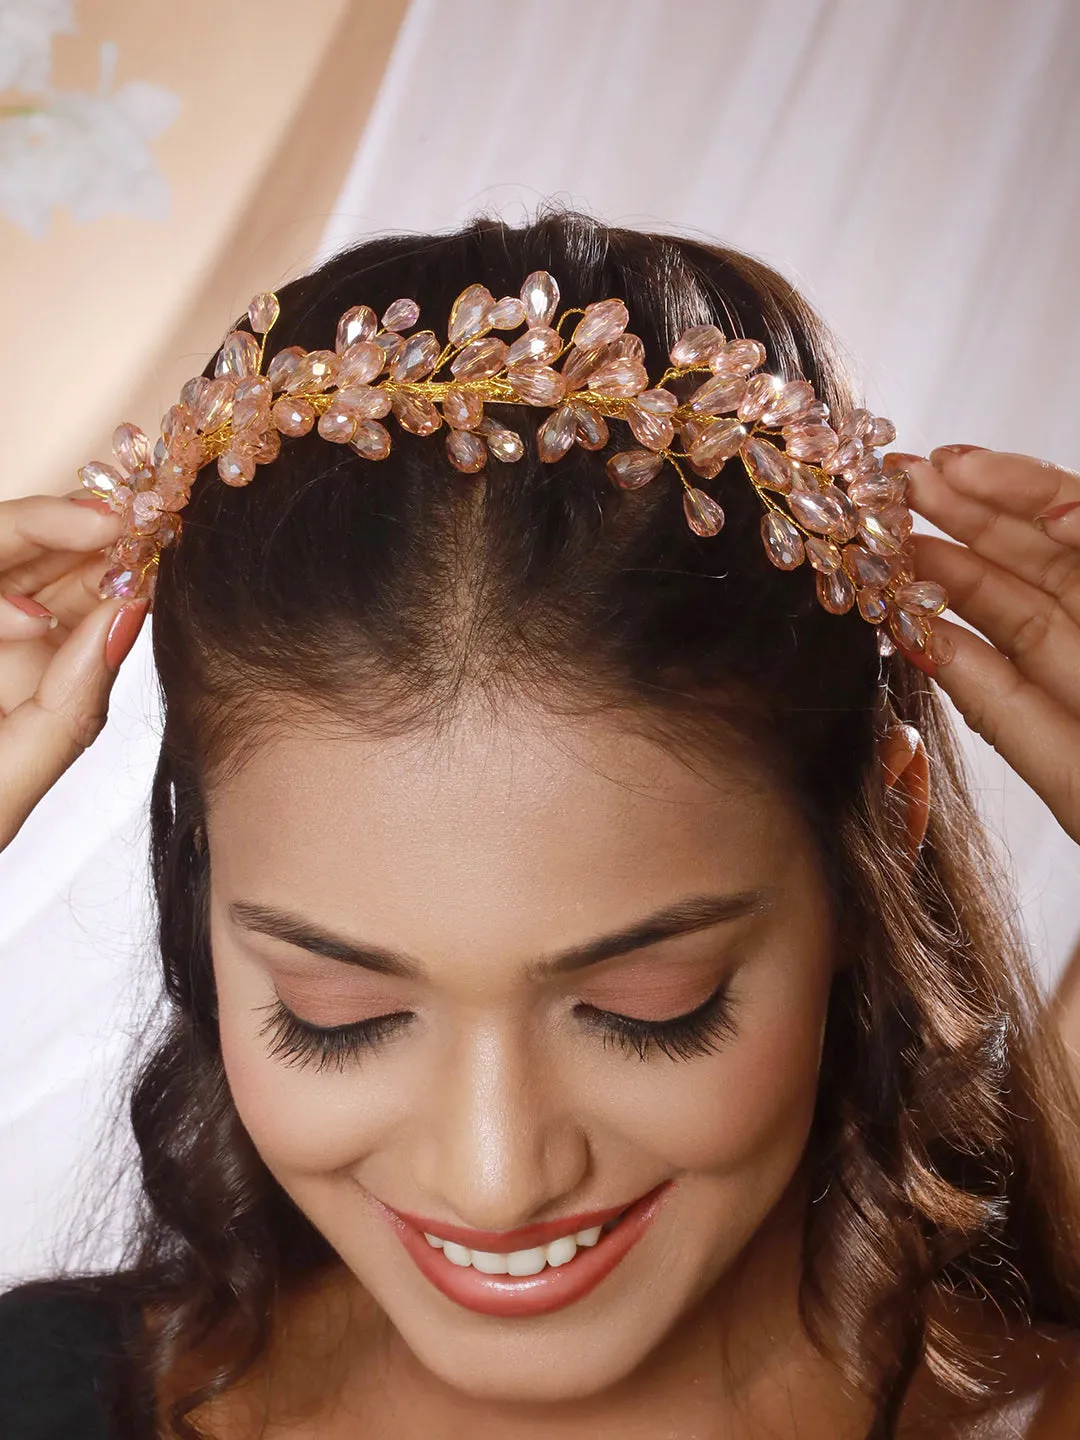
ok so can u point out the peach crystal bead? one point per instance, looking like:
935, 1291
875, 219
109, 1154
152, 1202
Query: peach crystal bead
536, 384
466, 451
131, 446
370, 402
761, 392
238, 356
908, 630
178, 426
855, 425
540, 298
631, 469
293, 416
556, 435
480, 359
401, 315
236, 467
215, 404
866, 568
101, 480
415, 413
876, 535
792, 399
872, 605
820, 512
847, 455
371, 440
251, 403
505, 445
810, 442
121, 582
357, 325
885, 643
626, 347
146, 510
924, 596
703, 514
620, 378
283, 364
655, 432
783, 543
823, 554
657, 402
507, 314
835, 591
719, 395
737, 357
338, 423
470, 314
389, 343
717, 442
580, 364
360, 363
416, 358
263, 312
881, 432
592, 428
463, 409
540, 343
603, 321
697, 345
316, 371
768, 467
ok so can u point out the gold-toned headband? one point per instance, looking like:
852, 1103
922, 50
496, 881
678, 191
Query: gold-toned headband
827, 499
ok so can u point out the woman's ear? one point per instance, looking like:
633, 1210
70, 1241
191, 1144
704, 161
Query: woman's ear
906, 768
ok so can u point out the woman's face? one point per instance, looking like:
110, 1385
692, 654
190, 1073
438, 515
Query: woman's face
536, 902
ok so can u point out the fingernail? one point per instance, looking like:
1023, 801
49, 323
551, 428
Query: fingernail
1057, 511
897, 460
123, 631
91, 502
953, 450
920, 661
32, 608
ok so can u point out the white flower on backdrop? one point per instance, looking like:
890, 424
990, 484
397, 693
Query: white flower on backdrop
88, 152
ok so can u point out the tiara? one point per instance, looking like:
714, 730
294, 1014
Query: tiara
826, 498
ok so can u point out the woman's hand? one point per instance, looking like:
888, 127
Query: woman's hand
1015, 577
60, 646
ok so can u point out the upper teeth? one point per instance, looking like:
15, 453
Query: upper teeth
518, 1262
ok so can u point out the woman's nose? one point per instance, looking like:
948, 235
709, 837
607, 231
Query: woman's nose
501, 1146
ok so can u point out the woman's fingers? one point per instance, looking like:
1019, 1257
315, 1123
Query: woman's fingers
1028, 626
24, 618
33, 525
74, 593
42, 735
1029, 729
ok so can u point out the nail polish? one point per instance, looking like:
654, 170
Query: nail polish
953, 450
1056, 512
920, 661
32, 608
123, 631
91, 502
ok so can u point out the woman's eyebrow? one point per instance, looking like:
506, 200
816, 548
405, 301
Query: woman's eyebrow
694, 912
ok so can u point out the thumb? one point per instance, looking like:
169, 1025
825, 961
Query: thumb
40, 738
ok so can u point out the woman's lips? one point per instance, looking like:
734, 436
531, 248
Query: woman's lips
511, 1297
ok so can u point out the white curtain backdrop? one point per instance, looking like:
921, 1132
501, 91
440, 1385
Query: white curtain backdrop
912, 165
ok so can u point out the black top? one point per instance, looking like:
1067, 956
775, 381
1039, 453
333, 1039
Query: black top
60, 1357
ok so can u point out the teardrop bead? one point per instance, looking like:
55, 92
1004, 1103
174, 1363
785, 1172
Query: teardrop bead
922, 595
360, 363
835, 591
371, 440
416, 358
703, 514
480, 359
823, 554
315, 372
877, 491
719, 395
415, 413
657, 402
146, 511
630, 469
580, 364
134, 551
536, 384
792, 399
121, 582
907, 630
236, 467
872, 605
855, 425
101, 480
466, 451
717, 442
769, 467
737, 357
540, 297
131, 446
192, 390
783, 543
357, 325
401, 315
697, 345
470, 316
463, 409
540, 343
370, 402
603, 321
505, 445
815, 512
338, 423
238, 356
848, 525
592, 428
268, 447
867, 467
626, 347
178, 426
507, 314
556, 435
848, 455
390, 343
263, 312
885, 644
810, 442
655, 432
292, 416
283, 364
619, 378
761, 392
866, 568
875, 535
881, 432
898, 519
251, 403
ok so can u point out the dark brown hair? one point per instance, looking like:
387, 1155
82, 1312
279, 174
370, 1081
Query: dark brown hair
386, 591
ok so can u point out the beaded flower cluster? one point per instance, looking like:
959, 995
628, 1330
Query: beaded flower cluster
826, 498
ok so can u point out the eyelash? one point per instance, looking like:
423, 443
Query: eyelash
684, 1037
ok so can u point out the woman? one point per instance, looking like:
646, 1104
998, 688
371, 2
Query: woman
592, 1007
